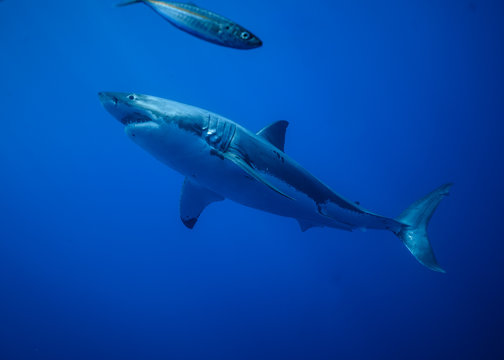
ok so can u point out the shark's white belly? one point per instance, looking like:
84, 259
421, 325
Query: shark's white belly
203, 165
228, 180
231, 182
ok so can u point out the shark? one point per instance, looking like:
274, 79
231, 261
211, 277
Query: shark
221, 159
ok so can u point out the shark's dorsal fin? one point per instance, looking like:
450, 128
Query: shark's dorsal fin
237, 160
193, 200
275, 133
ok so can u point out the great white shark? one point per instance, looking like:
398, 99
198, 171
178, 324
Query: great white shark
222, 160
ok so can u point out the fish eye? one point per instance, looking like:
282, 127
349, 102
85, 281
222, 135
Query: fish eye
245, 35
131, 97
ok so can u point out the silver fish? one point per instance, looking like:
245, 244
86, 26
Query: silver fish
203, 24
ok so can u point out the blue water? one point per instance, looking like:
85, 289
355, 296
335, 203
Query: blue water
386, 101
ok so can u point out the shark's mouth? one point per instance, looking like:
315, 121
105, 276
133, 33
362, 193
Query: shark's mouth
135, 118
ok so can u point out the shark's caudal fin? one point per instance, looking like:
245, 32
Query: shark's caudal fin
130, 2
416, 219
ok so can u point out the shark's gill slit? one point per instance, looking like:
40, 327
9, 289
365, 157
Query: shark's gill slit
219, 133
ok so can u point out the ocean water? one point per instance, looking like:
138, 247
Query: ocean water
386, 101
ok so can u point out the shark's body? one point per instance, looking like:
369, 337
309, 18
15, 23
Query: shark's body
223, 160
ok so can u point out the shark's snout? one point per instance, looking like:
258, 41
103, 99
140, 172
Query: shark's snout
111, 103
124, 107
108, 97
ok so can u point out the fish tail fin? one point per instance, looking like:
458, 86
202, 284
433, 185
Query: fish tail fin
130, 2
415, 220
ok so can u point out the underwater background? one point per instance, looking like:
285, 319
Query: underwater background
386, 101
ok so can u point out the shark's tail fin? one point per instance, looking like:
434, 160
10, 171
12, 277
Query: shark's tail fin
414, 232
130, 2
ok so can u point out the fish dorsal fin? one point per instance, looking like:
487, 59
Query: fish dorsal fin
275, 133
193, 200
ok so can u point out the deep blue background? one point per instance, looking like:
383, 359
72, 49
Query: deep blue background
386, 99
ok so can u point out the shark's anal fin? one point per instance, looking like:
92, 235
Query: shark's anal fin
275, 133
194, 198
253, 173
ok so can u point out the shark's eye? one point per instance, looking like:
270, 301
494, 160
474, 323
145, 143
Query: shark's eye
245, 35
131, 97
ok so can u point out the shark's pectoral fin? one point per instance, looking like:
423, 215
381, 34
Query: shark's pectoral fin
275, 133
253, 173
193, 200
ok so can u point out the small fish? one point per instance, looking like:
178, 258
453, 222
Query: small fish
203, 23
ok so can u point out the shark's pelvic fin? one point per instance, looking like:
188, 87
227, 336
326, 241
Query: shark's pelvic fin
194, 198
275, 133
253, 173
305, 225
